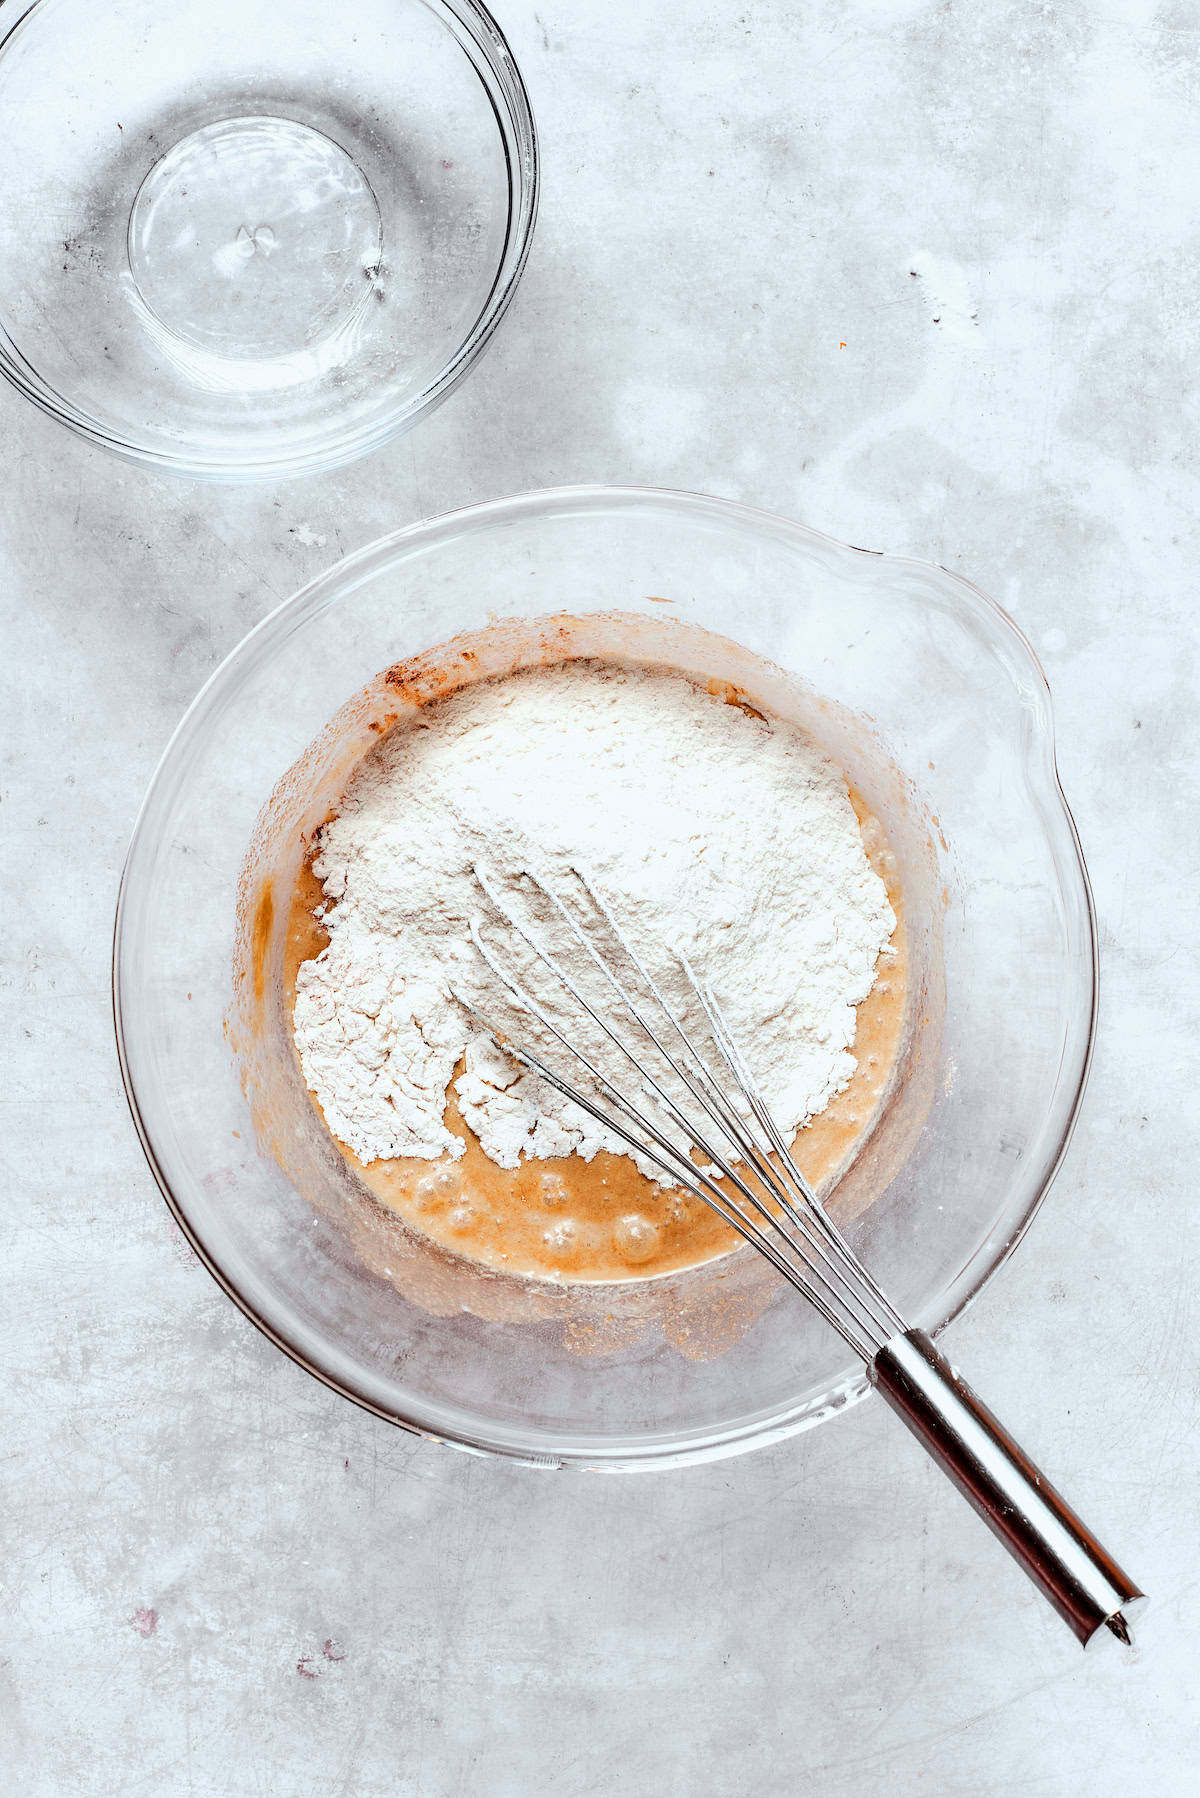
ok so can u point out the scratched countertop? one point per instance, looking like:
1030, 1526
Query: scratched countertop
924, 276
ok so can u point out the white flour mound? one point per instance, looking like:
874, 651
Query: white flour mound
729, 837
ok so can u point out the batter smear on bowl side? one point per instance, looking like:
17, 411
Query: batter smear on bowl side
718, 830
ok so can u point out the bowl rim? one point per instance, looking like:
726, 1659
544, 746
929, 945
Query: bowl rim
506, 92
980, 1266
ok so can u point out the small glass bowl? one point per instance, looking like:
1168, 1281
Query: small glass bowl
255, 237
937, 707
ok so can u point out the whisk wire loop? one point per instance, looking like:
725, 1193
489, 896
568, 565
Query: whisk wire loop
811, 1263
671, 1160
827, 1243
875, 1315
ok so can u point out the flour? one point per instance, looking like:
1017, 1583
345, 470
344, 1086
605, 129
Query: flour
727, 836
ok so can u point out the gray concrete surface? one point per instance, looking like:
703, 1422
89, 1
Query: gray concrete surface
924, 276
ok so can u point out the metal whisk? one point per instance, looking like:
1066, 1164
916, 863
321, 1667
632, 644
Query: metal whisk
716, 1109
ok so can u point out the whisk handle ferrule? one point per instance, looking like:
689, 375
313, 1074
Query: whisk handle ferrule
1037, 1526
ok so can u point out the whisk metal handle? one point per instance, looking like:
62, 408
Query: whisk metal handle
1039, 1529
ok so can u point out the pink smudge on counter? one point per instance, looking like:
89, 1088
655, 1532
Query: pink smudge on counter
305, 1668
144, 1620
332, 1650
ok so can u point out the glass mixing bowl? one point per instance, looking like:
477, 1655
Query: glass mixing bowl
255, 237
934, 703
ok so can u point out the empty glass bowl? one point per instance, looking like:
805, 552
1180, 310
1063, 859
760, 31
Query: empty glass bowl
934, 703
255, 237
